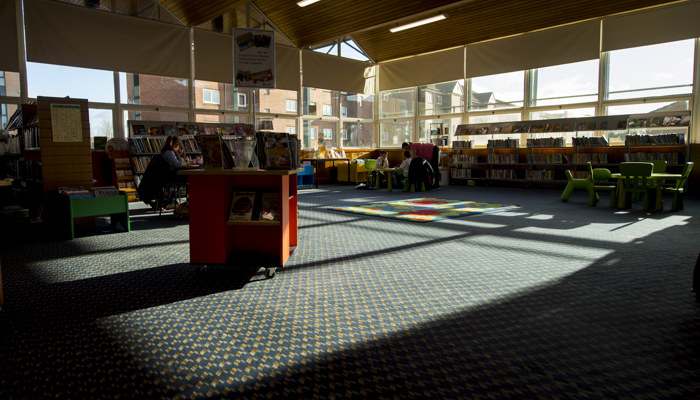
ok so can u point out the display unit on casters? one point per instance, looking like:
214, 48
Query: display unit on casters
216, 240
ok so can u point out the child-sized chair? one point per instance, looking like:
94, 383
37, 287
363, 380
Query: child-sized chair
634, 179
590, 184
679, 188
369, 165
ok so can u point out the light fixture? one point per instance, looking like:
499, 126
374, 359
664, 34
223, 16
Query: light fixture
438, 17
305, 3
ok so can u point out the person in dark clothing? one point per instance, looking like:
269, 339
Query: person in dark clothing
162, 169
430, 153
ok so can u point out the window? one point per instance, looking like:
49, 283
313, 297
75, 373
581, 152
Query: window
344, 132
242, 100
497, 91
292, 130
267, 110
395, 133
276, 102
397, 103
438, 100
357, 105
428, 97
441, 98
82, 83
344, 111
210, 96
657, 70
291, 105
327, 109
312, 133
266, 91
327, 133
565, 84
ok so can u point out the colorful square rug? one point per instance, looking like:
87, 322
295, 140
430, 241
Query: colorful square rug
423, 209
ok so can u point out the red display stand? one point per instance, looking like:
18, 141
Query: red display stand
216, 240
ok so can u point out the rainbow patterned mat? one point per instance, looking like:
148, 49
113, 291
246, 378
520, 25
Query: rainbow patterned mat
423, 209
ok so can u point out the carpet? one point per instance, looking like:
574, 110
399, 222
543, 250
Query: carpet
423, 209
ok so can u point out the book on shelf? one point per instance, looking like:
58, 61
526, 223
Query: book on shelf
270, 207
105, 191
278, 154
242, 203
212, 155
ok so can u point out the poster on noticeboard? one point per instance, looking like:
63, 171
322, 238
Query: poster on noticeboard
254, 58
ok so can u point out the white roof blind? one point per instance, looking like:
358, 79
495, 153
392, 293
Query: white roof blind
325, 71
430, 68
9, 57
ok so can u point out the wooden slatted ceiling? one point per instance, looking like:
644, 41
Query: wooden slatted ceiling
368, 22
192, 13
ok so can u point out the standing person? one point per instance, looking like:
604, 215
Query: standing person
430, 153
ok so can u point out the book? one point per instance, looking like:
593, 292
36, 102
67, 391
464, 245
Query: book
212, 156
277, 151
270, 207
104, 191
242, 203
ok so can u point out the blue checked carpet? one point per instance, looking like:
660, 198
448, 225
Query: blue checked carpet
550, 300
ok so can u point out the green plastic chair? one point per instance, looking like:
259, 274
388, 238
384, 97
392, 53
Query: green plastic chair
679, 188
660, 166
634, 181
370, 164
589, 184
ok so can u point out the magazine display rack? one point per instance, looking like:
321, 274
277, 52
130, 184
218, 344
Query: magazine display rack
216, 239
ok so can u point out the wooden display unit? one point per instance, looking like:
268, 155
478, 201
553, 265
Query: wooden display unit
216, 240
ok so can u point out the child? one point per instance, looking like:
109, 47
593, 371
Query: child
404, 166
382, 162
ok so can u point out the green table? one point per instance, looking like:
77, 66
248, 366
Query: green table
117, 207
659, 178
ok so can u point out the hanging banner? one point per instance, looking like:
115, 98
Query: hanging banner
254, 58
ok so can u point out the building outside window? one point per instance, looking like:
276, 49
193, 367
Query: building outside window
210, 96
291, 105
242, 100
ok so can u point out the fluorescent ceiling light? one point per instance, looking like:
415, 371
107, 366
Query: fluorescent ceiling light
305, 3
438, 17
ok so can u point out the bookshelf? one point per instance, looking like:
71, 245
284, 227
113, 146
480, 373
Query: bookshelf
538, 152
214, 239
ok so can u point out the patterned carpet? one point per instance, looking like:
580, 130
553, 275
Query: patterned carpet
548, 300
423, 209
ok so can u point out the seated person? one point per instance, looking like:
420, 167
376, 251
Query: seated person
382, 162
162, 169
430, 153
404, 166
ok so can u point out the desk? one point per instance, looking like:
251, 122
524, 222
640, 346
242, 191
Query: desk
388, 177
316, 160
659, 178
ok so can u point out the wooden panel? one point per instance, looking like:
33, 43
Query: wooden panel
64, 163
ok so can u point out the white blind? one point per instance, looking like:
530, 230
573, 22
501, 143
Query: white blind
653, 26
325, 71
560, 45
9, 56
436, 67
64, 34
213, 56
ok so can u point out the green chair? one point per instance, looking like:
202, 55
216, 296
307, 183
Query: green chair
590, 184
679, 188
634, 180
369, 165
599, 178
660, 166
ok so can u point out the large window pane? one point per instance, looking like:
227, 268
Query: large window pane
6, 111
9, 84
497, 91
657, 70
101, 123
153, 90
320, 133
276, 101
320, 102
358, 135
80, 83
570, 113
441, 98
222, 119
482, 119
432, 130
221, 96
276, 124
392, 134
647, 108
565, 84
356, 105
397, 103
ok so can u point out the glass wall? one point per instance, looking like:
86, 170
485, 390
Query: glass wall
565, 84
